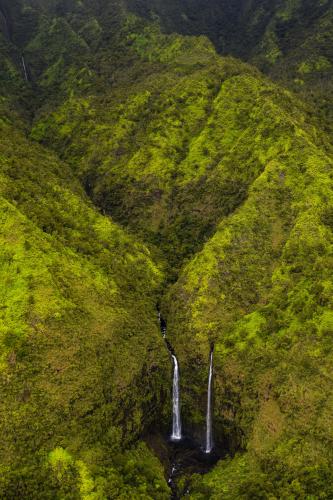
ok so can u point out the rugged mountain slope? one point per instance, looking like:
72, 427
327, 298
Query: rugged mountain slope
216, 179
155, 148
239, 150
261, 291
82, 362
289, 40
83, 365
148, 152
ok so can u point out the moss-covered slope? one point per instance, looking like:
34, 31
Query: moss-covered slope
194, 146
149, 152
167, 148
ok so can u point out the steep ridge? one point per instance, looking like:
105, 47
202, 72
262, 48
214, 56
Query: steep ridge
291, 40
152, 161
156, 149
227, 179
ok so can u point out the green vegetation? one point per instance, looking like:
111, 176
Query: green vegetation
78, 328
140, 168
83, 366
280, 37
261, 290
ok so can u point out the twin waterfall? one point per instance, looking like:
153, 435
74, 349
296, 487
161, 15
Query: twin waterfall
176, 434
176, 420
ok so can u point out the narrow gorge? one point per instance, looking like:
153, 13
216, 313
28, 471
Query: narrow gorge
186, 454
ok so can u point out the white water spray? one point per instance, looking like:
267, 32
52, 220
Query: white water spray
176, 420
209, 425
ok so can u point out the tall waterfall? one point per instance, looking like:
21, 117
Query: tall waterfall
209, 425
176, 420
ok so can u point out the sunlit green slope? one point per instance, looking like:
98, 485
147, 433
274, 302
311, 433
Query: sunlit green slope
83, 366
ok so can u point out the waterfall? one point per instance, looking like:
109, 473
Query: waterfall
176, 421
25, 70
209, 429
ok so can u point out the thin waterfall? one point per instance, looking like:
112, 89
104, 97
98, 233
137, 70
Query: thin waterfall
25, 70
176, 420
209, 425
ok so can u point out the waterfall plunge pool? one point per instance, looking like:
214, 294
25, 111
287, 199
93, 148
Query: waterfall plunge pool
182, 459
187, 458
